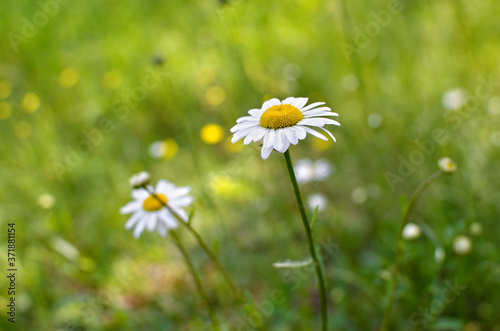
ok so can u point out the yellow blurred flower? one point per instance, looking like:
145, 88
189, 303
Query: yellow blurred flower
22, 130
5, 110
321, 145
163, 149
46, 201
30, 102
69, 77
112, 79
233, 148
212, 133
220, 184
215, 95
5, 89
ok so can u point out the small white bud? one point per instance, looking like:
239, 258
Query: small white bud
462, 245
447, 165
411, 231
139, 179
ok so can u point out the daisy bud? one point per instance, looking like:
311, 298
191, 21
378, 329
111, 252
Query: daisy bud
139, 179
462, 245
447, 165
411, 231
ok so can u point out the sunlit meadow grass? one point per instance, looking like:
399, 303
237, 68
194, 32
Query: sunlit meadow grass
83, 97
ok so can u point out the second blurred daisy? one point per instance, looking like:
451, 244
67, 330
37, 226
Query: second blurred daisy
148, 210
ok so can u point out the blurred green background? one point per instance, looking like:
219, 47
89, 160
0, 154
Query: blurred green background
92, 92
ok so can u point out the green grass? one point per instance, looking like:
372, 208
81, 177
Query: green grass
245, 48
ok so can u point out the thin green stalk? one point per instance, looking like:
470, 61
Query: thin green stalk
310, 241
208, 251
400, 249
199, 287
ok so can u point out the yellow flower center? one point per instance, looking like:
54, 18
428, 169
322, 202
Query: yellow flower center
280, 116
152, 203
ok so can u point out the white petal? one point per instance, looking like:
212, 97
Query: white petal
181, 213
162, 229
178, 192
317, 121
139, 228
240, 134
131, 207
182, 201
164, 186
300, 102
139, 194
301, 133
315, 133
287, 144
151, 222
265, 152
168, 220
331, 135
288, 101
260, 135
252, 135
311, 106
316, 110
133, 219
270, 103
269, 138
291, 136
245, 119
278, 142
255, 112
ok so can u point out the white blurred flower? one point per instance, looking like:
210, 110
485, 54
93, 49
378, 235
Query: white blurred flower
439, 254
139, 179
317, 199
359, 195
454, 98
447, 165
157, 149
476, 228
411, 231
281, 123
350, 82
292, 264
308, 171
462, 245
374, 120
46, 201
149, 212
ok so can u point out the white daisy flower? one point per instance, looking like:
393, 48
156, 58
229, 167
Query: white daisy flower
411, 231
447, 165
139, 179
150, 214
462, 245
281, 123
308, 171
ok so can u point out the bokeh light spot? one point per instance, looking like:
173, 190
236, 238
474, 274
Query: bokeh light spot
69, 77
5, 89
215, 95
112, 79
212, 133
30, 102
23, 130
5, 110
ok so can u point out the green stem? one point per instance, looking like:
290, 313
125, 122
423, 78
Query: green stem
400, 249
310, 241
201, 242
199, 287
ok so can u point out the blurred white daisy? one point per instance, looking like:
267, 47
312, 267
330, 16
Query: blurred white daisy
454, 98
139, 179
281, 123
149, 213
46, 201
462, 245
308, 171
447, 165
439, 254
318, 200
411, 231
